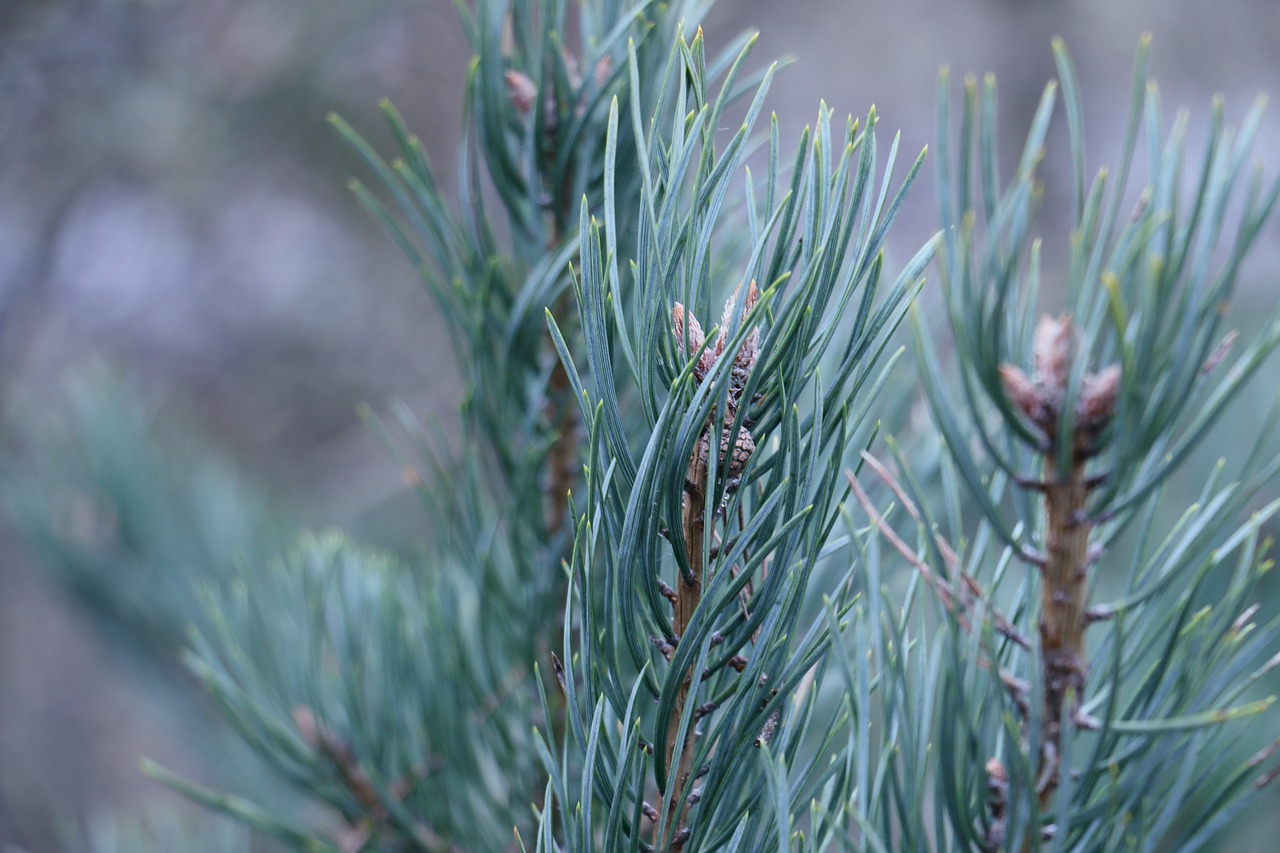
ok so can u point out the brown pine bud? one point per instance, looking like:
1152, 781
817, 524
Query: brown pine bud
1021, 392
1054, 348
680, 318
1097, 402
521, 91
747, 354
746, 357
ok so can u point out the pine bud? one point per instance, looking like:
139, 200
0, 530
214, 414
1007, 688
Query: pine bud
678, 319
1054, 348
1098, 396
1021, 392
521, 91
745, 358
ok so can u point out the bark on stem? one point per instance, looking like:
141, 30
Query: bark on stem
562, 456
1063, 601
693, 521
734, 451
1065, 569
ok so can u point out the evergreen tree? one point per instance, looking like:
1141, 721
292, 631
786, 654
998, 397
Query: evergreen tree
686, 590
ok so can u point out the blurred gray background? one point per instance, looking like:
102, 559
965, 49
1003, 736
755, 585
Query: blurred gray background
173, 201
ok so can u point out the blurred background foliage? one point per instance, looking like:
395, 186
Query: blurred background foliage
173, 204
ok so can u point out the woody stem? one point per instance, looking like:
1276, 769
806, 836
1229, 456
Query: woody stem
1063, 601
688, 594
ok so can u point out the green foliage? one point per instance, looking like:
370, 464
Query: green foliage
490, 590
355, 693
1147, 289
1172, 673
815, 235
1171, 661
536, 114
166, 831
740, 663
131, 509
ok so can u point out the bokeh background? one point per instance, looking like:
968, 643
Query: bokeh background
174, 219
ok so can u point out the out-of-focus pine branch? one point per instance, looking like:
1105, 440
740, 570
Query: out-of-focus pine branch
1099, 724
131, 509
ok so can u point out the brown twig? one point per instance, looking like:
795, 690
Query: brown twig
1068, 557
359, 832
688, 595
1017, 689
1063, 602
971, 591
733, 450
